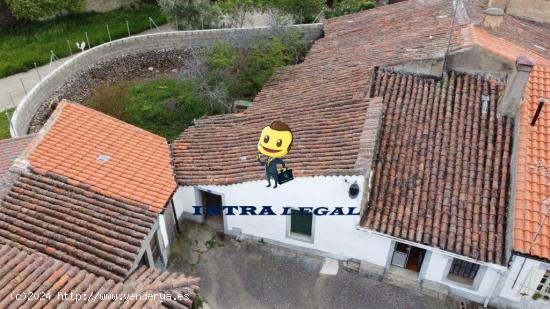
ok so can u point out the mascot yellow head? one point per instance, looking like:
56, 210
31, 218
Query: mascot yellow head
275, 140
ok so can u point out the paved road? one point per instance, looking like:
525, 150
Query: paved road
30, 78
253, 275
13, 84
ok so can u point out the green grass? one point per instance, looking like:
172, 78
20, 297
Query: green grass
22, 46
164, 107
5, 123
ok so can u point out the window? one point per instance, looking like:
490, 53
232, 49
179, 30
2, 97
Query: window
463, 272
544, 286
301, 225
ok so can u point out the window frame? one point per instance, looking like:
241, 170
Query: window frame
456, 277
544, 286
298, 236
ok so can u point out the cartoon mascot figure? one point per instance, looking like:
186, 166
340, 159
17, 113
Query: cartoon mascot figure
275, 142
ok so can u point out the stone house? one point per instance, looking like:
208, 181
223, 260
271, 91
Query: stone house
424, 123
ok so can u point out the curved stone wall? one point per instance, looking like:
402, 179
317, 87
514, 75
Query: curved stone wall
136, 67
132, 45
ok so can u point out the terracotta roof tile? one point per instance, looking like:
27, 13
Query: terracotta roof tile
440, 176
516, 38
10, 149
23, 271
75, 136
50, 214
505, 47
531, 35
323, 99
533, 169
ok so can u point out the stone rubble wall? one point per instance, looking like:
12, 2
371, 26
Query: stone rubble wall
139, 67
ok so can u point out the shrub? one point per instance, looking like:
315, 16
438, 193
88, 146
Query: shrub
224, 73
263, 58
220, 60
164, 107
304, 11
111, 99
209, 83
296, 46
211, 79
191, 14
238, 10
37, 9
343, 7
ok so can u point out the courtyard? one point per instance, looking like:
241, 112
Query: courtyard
250, 274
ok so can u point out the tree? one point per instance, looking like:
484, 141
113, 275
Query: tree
238, 11
238, 69
38, 9
303, 11
209, 70
344, 7
191, 14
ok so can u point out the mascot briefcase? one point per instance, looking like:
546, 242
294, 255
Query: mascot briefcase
285, 176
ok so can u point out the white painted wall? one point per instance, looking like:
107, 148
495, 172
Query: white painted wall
163, 231
528, 278
184, 199
379, 248
337, 236
438, 266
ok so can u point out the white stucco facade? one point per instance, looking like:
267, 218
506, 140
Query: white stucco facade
436, 268
334, 236
163, 231
518, 285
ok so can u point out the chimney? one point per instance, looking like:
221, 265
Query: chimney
515, 86
494, 14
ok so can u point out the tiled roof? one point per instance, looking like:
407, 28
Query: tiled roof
67, 220
533, 36
532, 179
503, 47
10, 149
25, 272
442, 166
113, 157
532, 202
323, 99
154, 280
516, 30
